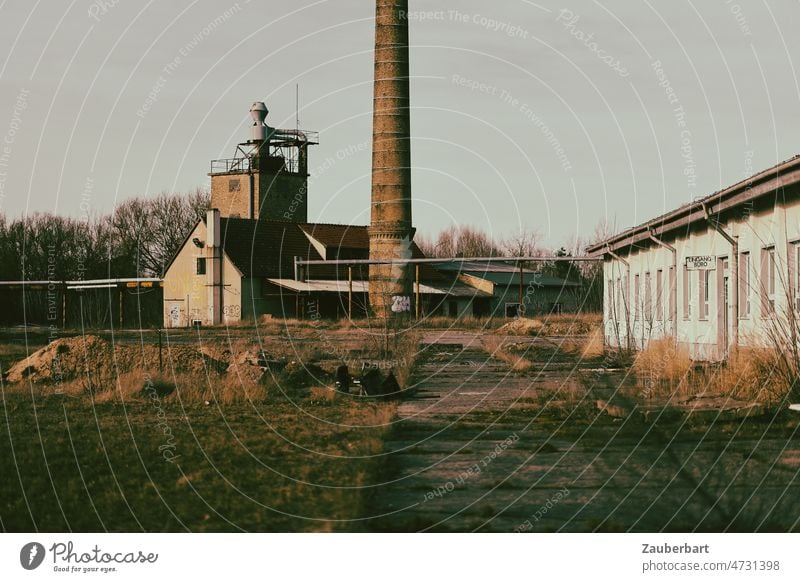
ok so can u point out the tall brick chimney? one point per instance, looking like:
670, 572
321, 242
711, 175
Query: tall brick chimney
390, 230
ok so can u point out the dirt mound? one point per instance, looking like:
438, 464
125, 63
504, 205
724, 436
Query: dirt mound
93, 358
63, 359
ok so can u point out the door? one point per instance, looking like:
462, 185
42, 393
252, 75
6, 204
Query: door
174, 315
724, 310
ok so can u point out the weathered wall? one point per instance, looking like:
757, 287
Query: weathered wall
186, 292
230, 194
283, 197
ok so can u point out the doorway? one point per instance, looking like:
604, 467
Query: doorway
724, 306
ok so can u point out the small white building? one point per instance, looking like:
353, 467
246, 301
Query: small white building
717, 273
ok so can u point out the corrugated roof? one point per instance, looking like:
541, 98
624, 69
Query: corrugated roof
343, 286
478, 266
503, 274
528, 278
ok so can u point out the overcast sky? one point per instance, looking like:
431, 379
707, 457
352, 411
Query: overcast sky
546, 115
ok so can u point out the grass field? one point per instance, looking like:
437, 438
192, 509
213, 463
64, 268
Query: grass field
112, 444
211, 443
69, 465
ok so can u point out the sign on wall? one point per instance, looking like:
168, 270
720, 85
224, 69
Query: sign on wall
701, 263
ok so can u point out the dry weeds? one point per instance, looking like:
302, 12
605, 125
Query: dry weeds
663, 361
749, 374
566, 324
496, 346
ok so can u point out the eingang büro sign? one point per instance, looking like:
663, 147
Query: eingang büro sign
700, 263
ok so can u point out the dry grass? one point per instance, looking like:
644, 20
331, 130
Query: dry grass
427, 322
568, 399
322, 395
563, 325
590, 347
595, 345
497, 347
223, 368
663, 361
406, 351
751, 375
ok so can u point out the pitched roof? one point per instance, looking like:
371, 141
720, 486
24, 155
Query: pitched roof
266, 248
338, 235
778, 181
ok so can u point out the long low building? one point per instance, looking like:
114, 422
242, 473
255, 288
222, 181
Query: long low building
503, 283
714, 274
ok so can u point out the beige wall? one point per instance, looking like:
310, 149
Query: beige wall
186, 292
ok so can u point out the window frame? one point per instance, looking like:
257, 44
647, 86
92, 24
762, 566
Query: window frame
704, 294
745, 307
767, 284
659, 316
687, 293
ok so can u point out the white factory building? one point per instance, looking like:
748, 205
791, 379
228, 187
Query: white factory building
720, 272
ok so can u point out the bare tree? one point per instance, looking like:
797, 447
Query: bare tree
524, 243
149, 231
459, 241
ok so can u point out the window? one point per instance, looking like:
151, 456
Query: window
673, 294
659, 295
610, 300
234, 185
201, 266
636, 297
704, 293
744, 285
767, 281
687, 292
648, 297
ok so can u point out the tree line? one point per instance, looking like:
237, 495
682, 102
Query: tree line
137, 240
143, 234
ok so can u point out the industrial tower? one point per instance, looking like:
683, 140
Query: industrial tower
391, 231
